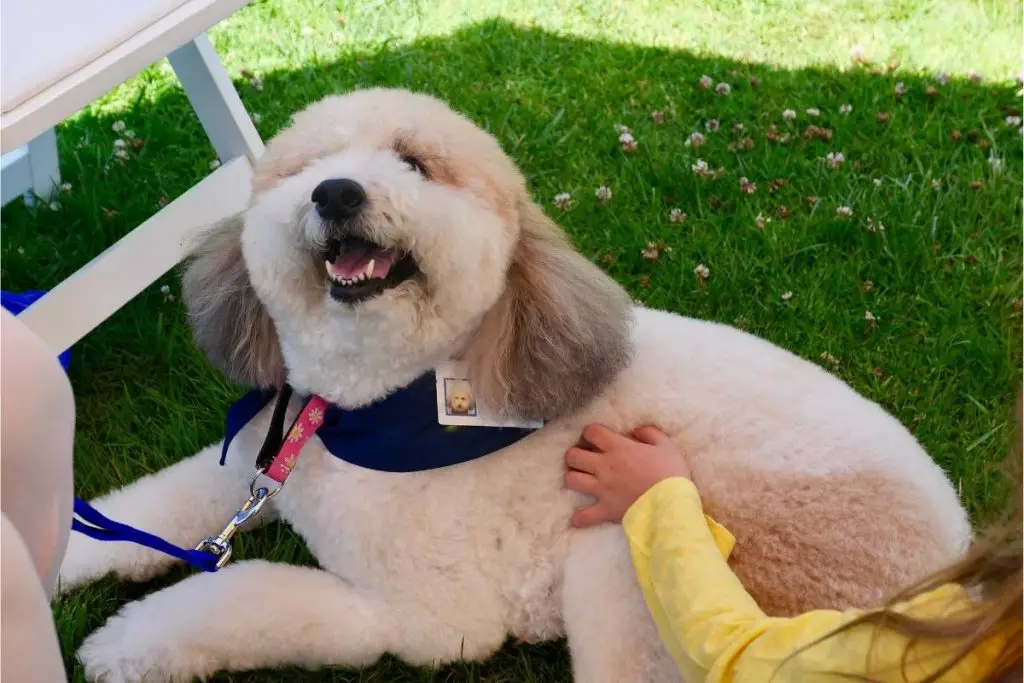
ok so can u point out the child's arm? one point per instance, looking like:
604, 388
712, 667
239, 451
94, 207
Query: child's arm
710, 624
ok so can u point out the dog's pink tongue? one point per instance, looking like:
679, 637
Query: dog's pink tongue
356, 262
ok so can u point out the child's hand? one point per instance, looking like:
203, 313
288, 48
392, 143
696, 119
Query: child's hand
622, 470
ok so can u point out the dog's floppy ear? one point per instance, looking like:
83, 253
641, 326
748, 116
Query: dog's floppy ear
558, 334
229, 322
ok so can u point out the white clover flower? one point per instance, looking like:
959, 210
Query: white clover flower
603, 193
845, 109
256, 118
900, 89
121, 153
813, 111
878, 182
700, 168
1013, 121
869, 316
844, 212
786, 296
834, 160
830, 359
620, 129
65, 187
996, 163
695, 140
628, 142
658, 117
788, 114
118, 126
651, 252
747, 187
942, 78
712, 125
723, 89
706, 82
165, 289
563, 200
676, 216
54, 206
702, 271
119, 144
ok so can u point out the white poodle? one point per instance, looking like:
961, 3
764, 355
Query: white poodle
833, 503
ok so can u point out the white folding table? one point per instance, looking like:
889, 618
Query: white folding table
57, 56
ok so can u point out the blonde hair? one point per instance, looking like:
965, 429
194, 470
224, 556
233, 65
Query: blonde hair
992, 571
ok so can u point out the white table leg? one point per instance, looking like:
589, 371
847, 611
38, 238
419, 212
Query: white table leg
215, 100
42, 157
31, 167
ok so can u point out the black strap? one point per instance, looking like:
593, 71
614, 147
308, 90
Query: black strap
275, 434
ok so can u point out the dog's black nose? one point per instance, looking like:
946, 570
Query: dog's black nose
339, 198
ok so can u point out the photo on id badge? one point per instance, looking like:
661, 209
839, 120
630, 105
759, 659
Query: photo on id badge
458, 397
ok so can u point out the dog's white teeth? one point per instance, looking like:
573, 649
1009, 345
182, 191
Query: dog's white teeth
348, 281
327, 267
369, 268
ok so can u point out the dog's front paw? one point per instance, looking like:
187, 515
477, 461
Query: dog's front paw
138, 645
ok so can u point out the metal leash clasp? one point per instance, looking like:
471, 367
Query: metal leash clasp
220, 545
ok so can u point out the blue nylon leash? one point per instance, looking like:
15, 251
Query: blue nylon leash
213, 552
96, 525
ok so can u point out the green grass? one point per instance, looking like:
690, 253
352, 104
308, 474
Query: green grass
550, 80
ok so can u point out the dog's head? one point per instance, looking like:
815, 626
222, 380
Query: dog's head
385, 234
460, 399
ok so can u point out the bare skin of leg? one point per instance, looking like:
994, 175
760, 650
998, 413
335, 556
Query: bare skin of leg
37, 423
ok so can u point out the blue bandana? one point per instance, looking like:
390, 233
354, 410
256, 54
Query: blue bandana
399, 433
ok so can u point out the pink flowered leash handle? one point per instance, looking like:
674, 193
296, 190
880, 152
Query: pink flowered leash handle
275, 462
306, 424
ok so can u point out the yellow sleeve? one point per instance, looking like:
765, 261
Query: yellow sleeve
717, 633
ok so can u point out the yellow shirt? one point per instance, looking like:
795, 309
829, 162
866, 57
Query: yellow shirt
717, 633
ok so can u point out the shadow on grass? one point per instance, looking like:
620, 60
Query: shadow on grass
946, 270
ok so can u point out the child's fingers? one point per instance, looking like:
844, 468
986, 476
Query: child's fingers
581, 482
582, 460
651, 435
588, 516
602, 437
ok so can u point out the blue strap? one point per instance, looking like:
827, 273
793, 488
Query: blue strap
103, 529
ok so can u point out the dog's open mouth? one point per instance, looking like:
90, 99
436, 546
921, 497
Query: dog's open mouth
358, 269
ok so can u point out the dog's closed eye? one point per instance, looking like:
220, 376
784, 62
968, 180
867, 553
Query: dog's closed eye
410, 155
415, 164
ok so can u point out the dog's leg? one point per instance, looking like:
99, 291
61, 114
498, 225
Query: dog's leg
251, 615
611, 635
183, 504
